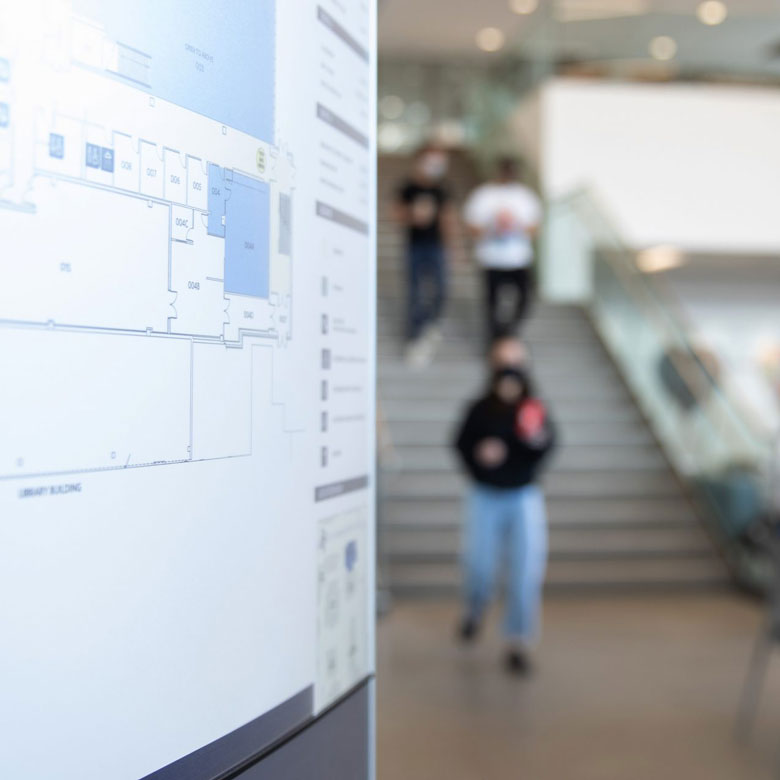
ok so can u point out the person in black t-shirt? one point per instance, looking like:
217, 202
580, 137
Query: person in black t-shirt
423, 208
503, 442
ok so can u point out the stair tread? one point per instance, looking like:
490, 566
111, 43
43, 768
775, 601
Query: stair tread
686, 539
615, 457
576, 573
653, 509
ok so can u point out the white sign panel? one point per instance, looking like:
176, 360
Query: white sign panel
187, 400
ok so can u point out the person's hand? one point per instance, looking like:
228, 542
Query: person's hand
490, 453
506, 222
538, 440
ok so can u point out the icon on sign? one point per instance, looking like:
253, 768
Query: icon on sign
350, 555
56, 146
260, 159
94, 156
107, 160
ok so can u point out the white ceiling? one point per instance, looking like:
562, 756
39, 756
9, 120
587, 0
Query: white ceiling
445, 30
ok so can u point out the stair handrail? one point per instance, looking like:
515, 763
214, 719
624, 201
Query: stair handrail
648, 291
712, 444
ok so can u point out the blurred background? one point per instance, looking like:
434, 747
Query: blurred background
650, 130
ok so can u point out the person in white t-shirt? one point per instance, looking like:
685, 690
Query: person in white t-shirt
503, 216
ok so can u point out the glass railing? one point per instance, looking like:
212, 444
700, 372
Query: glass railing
727, 465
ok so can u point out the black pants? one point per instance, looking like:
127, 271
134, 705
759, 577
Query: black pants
504, 318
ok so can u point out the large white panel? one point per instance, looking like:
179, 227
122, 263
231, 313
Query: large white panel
171, 242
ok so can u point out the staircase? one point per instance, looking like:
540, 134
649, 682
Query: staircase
618, 516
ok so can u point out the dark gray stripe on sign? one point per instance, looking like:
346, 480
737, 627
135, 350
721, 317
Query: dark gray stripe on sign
244, 745
336, 489
341, 218
335, 746
340, 32
327, 116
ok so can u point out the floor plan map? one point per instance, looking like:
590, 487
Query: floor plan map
151, 230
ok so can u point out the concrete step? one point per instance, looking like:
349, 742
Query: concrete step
419, 389
427, 386
567, 409
575, 433
670, 573
574, 361
576, 367
467, 379
599, 512
542, 313
586, 484
461, 285
453, 350
608, 457
467, 331
390, 330
442, 545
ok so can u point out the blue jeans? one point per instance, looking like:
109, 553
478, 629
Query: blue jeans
427, 282
512, 523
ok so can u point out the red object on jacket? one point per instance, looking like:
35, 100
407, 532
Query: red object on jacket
530, 418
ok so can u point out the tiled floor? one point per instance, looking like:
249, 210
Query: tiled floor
627, 688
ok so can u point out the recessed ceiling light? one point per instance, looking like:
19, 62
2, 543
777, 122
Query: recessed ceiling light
712, 12
523, 6
391, 106
663, 47
390, 137
591, 10
490, 39
656, 259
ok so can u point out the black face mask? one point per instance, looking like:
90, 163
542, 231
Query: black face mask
515, 374
509, 372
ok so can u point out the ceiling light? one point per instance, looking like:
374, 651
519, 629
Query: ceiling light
657, 259
663, 47
390, 137
592, 10
712, 12
523, 6
391, 107
490, 39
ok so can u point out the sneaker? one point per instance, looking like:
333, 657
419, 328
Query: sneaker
418, 353
468, 630
434, 334
517, 662
411, 352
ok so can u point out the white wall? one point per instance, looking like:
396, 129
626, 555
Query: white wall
525, 127
696, 166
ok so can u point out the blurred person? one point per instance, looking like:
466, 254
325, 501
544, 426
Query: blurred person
423, 207
503, 442
503, 216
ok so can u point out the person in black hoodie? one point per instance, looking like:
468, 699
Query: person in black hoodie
503, 442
